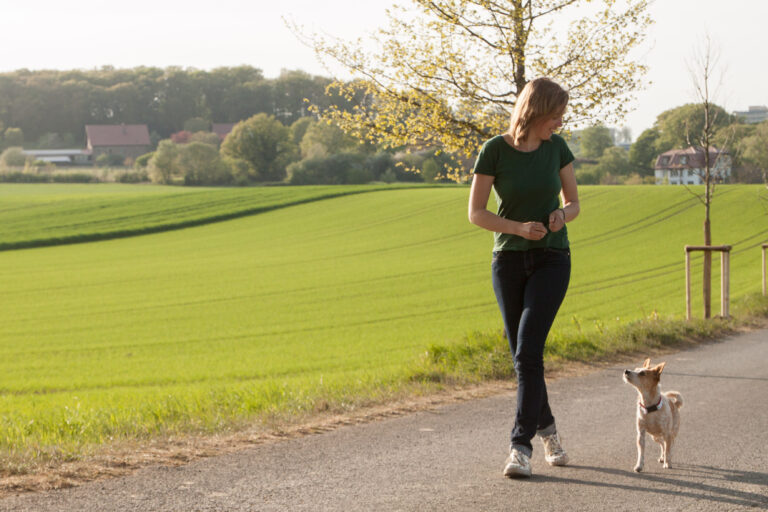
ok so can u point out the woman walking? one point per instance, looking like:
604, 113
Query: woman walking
528, 167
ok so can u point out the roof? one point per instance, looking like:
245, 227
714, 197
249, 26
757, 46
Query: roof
55, 152
688, 158
117, 135
222, 129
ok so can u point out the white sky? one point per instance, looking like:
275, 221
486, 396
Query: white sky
85, 34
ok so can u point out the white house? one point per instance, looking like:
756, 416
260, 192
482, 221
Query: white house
687, 166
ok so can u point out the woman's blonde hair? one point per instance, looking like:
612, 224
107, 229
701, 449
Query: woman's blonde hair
540, 98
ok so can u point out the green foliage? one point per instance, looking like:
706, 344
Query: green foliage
430, 170
265, 144
643, 153
197, 124
163, 165
342, 168
142, 162
754, 148
299, 128
200, 164
13, 157
165, 99
55, 140
206, 138
140, 175
13, 137
109, 160
682, 126
446, 73
323, 139
594, 141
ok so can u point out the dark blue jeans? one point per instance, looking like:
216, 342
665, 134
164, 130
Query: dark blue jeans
530, 286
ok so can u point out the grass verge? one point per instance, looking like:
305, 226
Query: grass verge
486, 356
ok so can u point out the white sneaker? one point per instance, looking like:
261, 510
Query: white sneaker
553, 451
517, 465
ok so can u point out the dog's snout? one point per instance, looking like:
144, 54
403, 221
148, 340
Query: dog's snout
626, 372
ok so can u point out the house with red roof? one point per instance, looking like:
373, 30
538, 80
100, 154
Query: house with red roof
687, 166
127, 140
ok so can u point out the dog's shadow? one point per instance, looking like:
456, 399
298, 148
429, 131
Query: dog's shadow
683, 480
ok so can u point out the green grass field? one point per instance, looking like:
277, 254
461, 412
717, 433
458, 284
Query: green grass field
209, 327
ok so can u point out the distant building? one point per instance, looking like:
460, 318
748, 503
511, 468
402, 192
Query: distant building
222, 129
127, 140
686, 166
61, 156
755, 114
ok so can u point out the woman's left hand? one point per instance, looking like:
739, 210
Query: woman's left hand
556, 220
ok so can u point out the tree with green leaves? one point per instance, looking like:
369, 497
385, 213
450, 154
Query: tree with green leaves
754, 149
13, 137
446, 73
323, 139
265, 143
594, 140
682, 126
643, 152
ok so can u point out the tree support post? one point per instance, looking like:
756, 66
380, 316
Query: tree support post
765, 271
725, 275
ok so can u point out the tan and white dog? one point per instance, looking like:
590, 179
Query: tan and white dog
657, 413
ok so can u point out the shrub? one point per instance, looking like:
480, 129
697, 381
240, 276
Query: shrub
163, 166
265, 144
143, 161
200, 164
79, 177
13, 157
138, 176
109, 160
333, 170
23, 177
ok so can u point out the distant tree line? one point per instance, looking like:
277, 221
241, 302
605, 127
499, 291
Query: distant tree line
49, 109
601, 160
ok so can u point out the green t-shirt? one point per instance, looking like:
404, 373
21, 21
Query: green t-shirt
527, 187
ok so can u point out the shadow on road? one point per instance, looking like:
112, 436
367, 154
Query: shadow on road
684, 480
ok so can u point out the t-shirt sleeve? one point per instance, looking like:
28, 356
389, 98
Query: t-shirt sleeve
486, 160
566, 156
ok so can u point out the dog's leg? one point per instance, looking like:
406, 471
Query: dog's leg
661, 453
667, 450
640, 449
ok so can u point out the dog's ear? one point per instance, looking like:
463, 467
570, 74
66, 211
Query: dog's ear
647, 363
658, 368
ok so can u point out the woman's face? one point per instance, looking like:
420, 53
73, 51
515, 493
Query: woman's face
545, 127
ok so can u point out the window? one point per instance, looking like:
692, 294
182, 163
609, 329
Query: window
683, 160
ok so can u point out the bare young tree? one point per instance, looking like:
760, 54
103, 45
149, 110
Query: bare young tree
704, 68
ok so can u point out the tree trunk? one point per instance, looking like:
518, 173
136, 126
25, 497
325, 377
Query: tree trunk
707, 287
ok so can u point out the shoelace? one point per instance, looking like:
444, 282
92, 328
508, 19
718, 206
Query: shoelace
552, 445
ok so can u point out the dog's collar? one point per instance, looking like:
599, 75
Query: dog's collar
651, 408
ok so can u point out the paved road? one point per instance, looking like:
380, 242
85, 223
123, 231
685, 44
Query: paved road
451, 458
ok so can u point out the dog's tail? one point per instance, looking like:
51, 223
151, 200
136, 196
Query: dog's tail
675, 398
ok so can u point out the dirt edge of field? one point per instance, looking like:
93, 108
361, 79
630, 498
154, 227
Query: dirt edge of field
127, 457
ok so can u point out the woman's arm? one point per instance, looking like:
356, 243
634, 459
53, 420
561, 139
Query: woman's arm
570, 196
569, 193
480, 216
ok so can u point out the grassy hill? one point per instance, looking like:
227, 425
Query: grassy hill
207, 327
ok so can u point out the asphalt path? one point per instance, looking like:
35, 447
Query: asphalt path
451, 458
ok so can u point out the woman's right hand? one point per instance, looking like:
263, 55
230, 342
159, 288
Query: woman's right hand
532, 230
